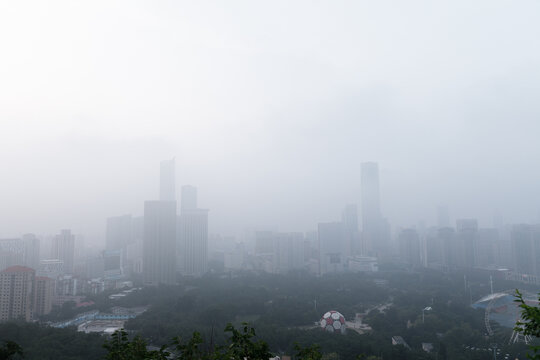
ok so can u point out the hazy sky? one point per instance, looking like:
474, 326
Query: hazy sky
269, 108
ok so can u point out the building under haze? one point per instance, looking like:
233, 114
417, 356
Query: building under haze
11, 252
63, 249
467, 237
349, 218
373, 241
332, 247
159, 244
16, 292
192, 237
119, 234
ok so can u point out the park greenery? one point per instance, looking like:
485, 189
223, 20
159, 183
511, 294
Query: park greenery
185, 321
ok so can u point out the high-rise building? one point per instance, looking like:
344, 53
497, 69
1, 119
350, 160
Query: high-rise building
526, 249
119, 234
64, 249
31, 251
409, 247
189, 198
159, 244
43, 295
332, 247
349, 218
467, 237
167, 187
12, 253
372, 237
193, 242
16, 291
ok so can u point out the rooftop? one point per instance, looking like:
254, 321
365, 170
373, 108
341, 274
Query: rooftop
17, 268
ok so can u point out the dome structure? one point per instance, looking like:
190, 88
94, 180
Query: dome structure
333, 322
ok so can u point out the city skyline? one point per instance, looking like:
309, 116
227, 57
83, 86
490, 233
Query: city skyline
267, 123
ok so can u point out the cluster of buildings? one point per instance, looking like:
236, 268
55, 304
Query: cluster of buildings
171, 238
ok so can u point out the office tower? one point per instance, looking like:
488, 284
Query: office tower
193, 241
31, 251
487, 247
43, 295
189, 198
119, 234
526, 249
332, 247
443, 216
467, 237
371, 209
167, 188
159, 244
135, 249
11, 253
409, 247
288, 252
16, 286
64, 249
450, 248
349, 218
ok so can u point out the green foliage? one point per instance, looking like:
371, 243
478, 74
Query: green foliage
312, 352
530, 326
9, 350
119, 347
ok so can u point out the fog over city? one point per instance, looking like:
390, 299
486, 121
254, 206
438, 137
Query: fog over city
269, 109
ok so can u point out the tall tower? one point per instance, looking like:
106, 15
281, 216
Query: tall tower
371, 208
159, 242
193, 241
64, 249
16, 287
349, 218
192, 246
167, 189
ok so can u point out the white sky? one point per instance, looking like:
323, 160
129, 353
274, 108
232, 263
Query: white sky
269, 108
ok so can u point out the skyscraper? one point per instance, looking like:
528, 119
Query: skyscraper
189, 198
159, 243
167, 188
467, 237
31, 251
332, 247
43, 295
349, 218
16, 291
119, 234
64, 249
371, 209
193, 241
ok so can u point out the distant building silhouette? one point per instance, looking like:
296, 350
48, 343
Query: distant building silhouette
373, 234
193, 241
332, 247
64, 249
159, 244
349, 218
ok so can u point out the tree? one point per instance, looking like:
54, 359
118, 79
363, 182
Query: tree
530, 326
312, 352
9, 350
119, 347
